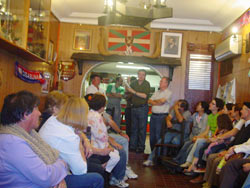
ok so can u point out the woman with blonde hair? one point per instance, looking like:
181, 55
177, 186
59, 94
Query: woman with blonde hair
60, 133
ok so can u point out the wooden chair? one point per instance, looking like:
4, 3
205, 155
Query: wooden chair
172, 149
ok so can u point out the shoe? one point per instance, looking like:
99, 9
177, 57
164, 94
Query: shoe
130, 174
118, 183
200, 170
185, 165
125, 178
189, 173
148, 163
197, 180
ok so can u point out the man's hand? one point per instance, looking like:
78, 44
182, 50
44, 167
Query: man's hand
169, 124
62, 184
246, 167
129, 89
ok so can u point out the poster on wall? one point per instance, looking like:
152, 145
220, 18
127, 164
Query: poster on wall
129, 41
227, 92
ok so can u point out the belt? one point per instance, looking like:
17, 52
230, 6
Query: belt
159, 114
140, 106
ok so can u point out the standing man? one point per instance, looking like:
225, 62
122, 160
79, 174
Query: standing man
160, 102
114, 93
95, 83
140, 90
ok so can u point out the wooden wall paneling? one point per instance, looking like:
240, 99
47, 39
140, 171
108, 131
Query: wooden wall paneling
177, 85
11, 83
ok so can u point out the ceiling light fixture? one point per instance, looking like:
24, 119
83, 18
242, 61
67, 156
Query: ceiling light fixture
118, 13
131, 67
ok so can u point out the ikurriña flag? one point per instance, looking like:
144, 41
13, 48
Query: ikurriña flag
136, 40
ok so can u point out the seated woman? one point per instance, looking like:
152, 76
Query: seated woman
215, 106
60, 133
224, 125
53, 103
38, 165
199, 120
100, 139
177, 115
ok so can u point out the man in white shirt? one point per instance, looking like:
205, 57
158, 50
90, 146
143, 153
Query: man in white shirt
160, 102
95, 83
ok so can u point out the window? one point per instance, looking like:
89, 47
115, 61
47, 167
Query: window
199, 72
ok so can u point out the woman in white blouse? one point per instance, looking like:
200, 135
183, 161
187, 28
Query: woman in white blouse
59, 132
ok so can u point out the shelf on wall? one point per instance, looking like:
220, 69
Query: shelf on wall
19, 51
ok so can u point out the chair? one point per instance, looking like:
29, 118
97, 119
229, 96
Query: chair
172, 149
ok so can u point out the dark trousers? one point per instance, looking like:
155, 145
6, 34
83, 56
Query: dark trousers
232, 174
138, 128
128, 120
95, 165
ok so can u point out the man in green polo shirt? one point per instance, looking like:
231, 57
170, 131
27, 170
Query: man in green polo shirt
114, 93
140, 89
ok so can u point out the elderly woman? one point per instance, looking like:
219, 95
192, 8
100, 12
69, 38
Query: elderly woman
25, 159
60, 132
53, 103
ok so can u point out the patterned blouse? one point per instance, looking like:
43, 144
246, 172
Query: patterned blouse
99, 134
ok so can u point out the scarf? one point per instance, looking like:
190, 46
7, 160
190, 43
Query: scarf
42, 149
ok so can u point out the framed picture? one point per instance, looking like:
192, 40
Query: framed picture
171, 45
50, 51
82, 39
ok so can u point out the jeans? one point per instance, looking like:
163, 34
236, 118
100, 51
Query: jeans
155, 129
183, 153
89, 180
139, 126
122, 141
247, 182
191, 153
200, 145
117, 113
119, 170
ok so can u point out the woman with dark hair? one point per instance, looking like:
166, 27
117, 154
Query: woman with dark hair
199, 120
100, 139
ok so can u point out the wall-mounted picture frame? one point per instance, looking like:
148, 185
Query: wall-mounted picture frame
82, 39
171, 45
50, 51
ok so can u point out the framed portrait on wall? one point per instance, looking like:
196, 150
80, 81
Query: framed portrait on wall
171, 45
82, 39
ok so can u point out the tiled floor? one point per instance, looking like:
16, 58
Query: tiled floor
157, 176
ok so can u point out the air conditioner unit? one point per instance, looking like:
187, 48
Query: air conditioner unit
228, 48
